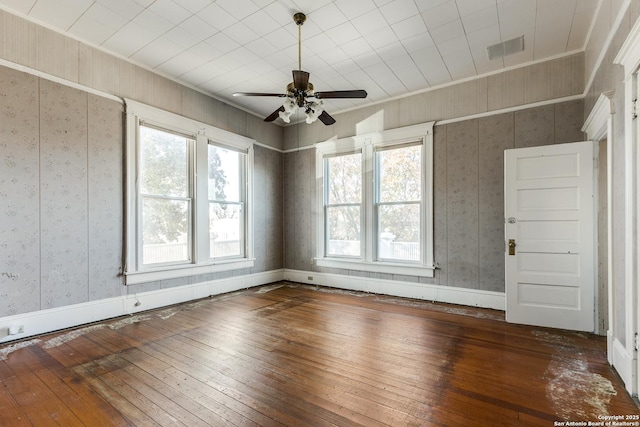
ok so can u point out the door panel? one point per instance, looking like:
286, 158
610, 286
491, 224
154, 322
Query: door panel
549, 203
539, 295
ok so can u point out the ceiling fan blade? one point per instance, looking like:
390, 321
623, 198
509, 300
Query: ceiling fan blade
271, 117
356, 93
326, 118
279, 95
300, 79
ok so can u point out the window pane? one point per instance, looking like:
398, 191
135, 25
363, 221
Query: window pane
399, 232
400, 177
225, 230
343, 230
165, 230
163, 163
224, 174
345, 179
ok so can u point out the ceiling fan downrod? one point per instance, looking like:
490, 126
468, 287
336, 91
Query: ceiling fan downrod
299, 19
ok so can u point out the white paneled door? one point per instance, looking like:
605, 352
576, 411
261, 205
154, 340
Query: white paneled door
550, 236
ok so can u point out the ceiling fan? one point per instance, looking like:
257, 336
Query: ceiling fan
300, 92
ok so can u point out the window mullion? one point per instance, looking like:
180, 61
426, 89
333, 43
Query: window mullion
427, 255
242, 213
201, 208
368, 200
426, 240
325, 201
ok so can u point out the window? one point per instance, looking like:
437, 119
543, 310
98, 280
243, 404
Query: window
343, 207
165, 196
376, 198
226, 202
398, 175
188, 198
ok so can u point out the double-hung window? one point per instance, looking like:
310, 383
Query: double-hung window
188, 197
343, 207
226, 171
377, 202
398, 179
165, 195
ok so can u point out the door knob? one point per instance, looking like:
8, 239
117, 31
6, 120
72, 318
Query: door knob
512, 246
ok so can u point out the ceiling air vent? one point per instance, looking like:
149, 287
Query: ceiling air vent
505, 48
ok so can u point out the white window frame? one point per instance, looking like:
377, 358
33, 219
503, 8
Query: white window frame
367, 144
201, 263
191, 139
242, 202
326, 205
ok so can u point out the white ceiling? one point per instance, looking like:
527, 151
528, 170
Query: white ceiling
390, 48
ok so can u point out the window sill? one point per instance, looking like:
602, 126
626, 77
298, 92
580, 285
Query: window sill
377, 267
177, 271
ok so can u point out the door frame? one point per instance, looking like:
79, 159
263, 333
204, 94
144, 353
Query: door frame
599, 126
629, 58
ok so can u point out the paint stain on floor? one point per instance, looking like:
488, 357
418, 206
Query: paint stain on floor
6, 351
574, 392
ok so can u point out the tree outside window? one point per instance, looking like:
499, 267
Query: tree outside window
226, 201
399, 185
165, 196
343, 209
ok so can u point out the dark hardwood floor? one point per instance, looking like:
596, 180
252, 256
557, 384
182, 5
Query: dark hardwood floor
289, 354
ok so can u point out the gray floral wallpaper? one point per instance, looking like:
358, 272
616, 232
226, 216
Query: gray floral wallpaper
105, 183
61, 192
19, 193
63, 195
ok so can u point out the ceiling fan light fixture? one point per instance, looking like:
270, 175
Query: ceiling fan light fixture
285, 116
313, 111
289, 108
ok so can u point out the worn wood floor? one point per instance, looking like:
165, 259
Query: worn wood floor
289, 354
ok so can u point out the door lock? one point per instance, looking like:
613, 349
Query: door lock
512, 246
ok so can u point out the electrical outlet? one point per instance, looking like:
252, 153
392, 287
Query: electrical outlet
16, 329
309, 277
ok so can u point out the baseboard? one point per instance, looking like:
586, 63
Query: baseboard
623, 363
610, 340
452, 295
44, 321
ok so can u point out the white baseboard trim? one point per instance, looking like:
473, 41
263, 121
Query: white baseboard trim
610, 347
447, 294
623, 363
44, 321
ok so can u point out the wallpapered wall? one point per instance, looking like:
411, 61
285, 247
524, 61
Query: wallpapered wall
61, 195
61, 198
468, 194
